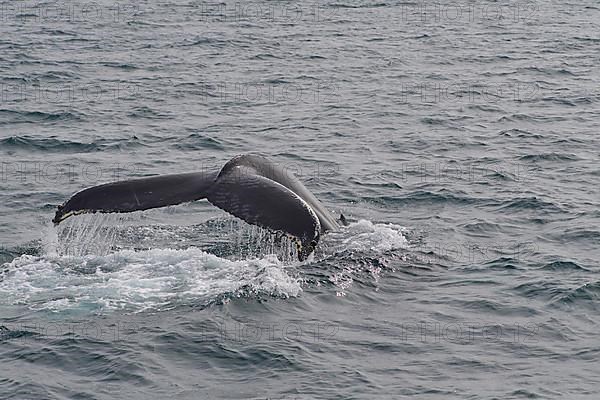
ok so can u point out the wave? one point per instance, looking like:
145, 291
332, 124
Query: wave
46, 144
530, 203
36, 117
520, 133
419, 197
57, 145
587, 293
549, 157
196, 141
563, 266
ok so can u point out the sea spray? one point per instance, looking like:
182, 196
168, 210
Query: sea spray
88, 234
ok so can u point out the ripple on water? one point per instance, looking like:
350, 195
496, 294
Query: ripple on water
37, 117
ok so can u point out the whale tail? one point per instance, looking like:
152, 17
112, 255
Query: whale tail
137, 194
248, 187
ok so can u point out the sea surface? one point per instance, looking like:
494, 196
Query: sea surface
460, 140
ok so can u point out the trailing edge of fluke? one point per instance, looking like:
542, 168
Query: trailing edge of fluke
248, 187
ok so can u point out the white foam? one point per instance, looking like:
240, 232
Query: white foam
367, 236
137, 280
68, 277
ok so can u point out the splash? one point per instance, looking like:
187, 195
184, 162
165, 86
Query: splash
101, 234
248, 241
94, 263
90, 266
83, 235
365, 236
367, 239
135, 281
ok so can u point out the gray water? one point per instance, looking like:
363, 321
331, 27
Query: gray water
459, 138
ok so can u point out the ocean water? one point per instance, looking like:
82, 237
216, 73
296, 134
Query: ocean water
460, 139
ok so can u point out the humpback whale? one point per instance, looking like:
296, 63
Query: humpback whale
248, 186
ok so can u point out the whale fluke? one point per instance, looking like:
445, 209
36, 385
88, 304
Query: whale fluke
248, 187
136, 195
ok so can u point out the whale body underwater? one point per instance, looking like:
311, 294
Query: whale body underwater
249, 187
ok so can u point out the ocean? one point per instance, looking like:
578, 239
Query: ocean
459, 139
